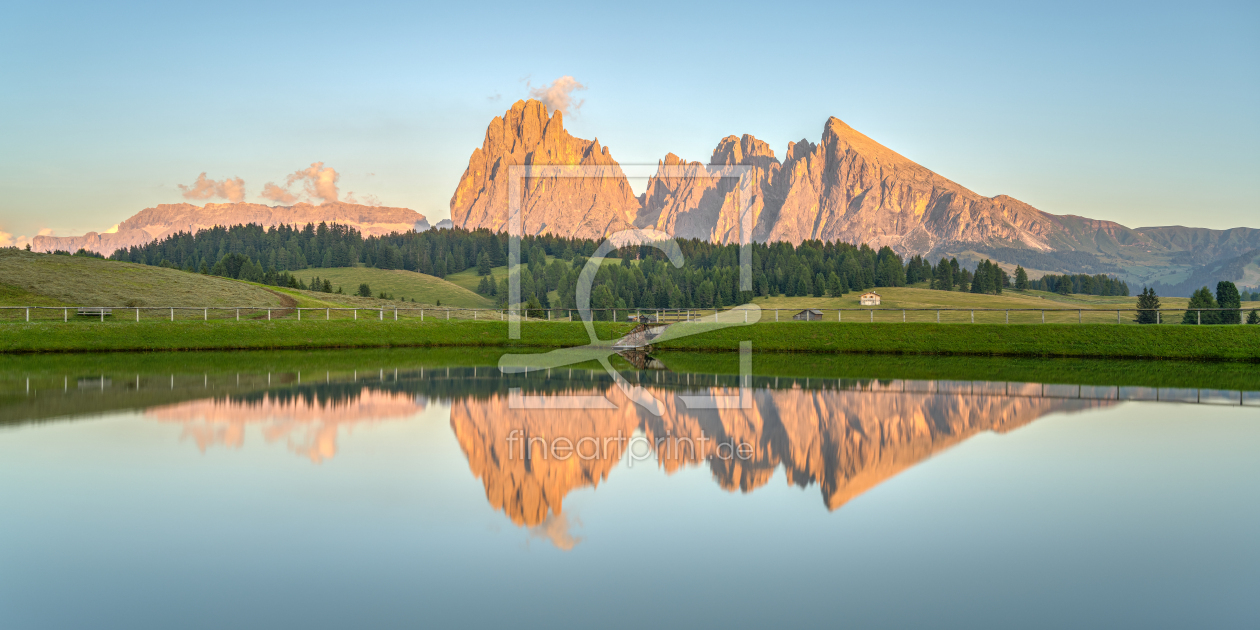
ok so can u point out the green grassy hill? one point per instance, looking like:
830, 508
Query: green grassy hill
32, 279
402, 284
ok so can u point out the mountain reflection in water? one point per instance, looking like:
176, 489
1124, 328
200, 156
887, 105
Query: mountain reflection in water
844, 435
309, 424
846, 442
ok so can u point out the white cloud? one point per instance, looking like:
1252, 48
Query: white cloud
559, 95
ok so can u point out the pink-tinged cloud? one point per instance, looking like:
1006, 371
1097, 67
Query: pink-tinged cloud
278, 194
318, 181
232, 189
559, 95
368, 200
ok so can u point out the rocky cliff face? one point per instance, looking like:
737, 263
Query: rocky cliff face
846, 187
166, 219
590, 206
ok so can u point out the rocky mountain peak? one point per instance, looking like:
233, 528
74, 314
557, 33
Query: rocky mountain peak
590, 206
744, 150
846, 187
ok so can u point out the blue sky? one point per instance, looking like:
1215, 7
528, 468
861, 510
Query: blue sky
1141, 113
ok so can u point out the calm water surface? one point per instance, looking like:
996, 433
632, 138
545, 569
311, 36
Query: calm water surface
406, 495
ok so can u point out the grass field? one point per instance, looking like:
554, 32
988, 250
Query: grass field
1240, 343
1235, 343
893, 299
402, 284
287, 334
33, 279
47, 280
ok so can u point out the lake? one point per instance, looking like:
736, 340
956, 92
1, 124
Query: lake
403, 489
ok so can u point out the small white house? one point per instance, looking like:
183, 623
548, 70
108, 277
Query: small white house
869, 299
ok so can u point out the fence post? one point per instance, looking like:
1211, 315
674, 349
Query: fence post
448, 314
1157, 314
1198, 314
382, 317
205, 315
28, 314
356, 314
776, 314
422, 316
172, 314
65, 315
137, 315
938, 315
299, 312
872, 311
1008, 316
839, 315
395, 313
973, 317
474, 314
268, 314
327, 314
238, 314
102, 312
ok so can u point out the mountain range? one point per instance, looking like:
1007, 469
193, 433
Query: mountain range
845, 187
166, 219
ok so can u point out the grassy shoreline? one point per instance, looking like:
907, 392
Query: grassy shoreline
1221, 343
1218, 343
288, 335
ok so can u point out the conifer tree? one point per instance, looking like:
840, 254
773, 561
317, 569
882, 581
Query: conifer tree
1227, 297
1021, 279
1148, 304
1201, 299
1253, 318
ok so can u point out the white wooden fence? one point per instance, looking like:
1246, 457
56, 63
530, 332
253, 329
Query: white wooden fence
734, 315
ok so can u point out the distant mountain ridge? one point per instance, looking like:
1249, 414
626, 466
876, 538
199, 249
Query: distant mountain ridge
163, 220
846, 188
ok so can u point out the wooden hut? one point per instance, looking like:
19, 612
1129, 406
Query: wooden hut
808, 315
